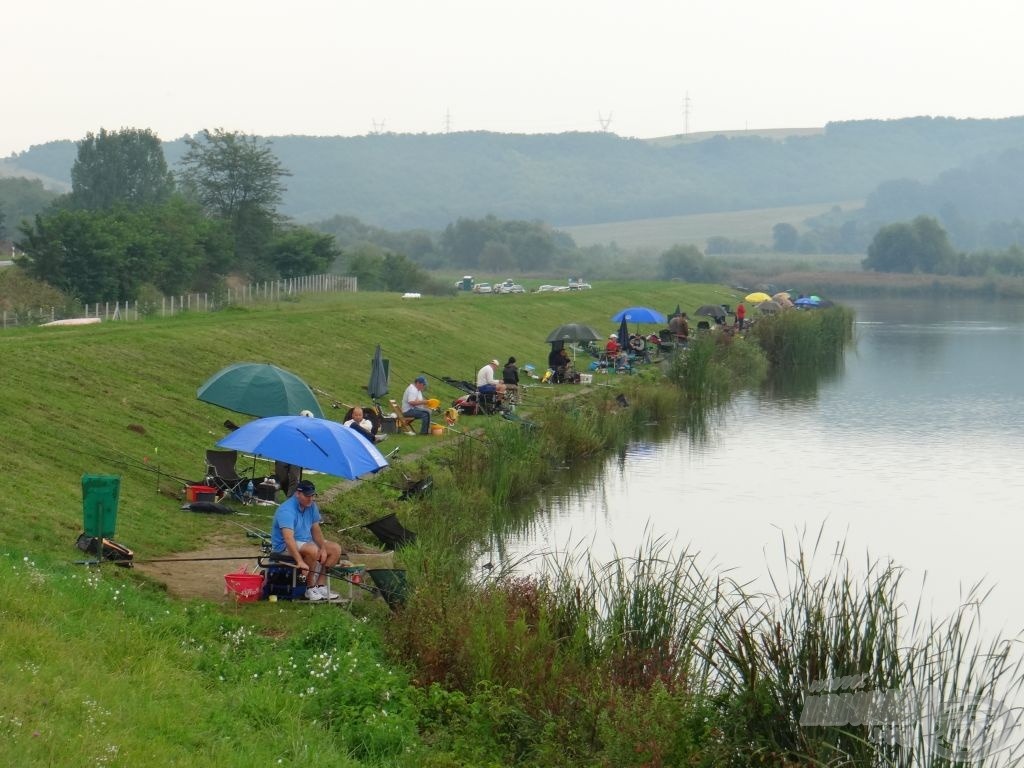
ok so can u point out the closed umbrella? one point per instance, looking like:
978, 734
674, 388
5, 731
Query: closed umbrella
259, 389
623, 333
319, 444
378, 386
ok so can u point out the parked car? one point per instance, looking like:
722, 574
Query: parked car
510, 287
545, 289
483, 288
580, 286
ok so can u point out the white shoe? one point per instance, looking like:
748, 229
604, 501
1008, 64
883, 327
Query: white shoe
328, 594
315, 593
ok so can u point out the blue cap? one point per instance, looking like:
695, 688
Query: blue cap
421, 380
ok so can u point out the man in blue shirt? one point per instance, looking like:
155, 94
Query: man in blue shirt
296, 532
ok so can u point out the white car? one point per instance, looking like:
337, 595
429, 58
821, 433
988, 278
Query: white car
483, 288
580, 286
545, 289
509, 287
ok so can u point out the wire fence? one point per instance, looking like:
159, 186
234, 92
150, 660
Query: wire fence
166, 306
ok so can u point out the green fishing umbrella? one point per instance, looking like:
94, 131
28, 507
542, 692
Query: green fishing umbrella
259, 389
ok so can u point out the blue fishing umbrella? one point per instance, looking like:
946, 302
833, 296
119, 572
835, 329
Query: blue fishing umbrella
808, 301
639, 315
311, 443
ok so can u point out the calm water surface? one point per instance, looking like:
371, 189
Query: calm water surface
913, 452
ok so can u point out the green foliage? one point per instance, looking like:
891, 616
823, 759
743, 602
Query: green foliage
784, 237
107, 255
812, 339
920, 246
499, 245
237, 178
123, 168
21, 294
21, 199
297, 251
686, 262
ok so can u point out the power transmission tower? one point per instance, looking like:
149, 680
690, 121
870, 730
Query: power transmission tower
603, 121
378, 128
448, 120
686, 113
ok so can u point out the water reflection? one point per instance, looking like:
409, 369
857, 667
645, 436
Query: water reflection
911, 450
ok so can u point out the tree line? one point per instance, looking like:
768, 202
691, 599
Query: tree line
130, 224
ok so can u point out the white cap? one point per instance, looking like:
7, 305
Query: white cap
495, 363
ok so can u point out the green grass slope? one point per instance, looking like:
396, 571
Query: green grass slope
99, 667
72, 399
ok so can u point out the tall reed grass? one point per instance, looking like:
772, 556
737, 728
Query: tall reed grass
729, 675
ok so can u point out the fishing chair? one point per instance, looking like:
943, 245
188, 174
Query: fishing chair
402, 423
222, 474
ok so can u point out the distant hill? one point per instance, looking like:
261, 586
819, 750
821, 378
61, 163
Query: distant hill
407, 181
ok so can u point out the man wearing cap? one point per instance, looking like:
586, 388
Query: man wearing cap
486, 383
413, 402
296, 532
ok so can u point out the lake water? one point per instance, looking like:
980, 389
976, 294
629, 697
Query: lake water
913, 452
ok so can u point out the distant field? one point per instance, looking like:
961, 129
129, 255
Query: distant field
777, 134
753, 225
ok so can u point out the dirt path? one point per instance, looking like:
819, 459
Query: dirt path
204, 579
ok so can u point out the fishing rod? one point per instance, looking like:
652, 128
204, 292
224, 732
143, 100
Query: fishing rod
164, 560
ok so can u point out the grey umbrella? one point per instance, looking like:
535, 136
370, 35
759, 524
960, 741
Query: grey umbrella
378, 386
572, 332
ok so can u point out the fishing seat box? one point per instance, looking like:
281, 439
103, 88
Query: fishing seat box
387, 425
200, 493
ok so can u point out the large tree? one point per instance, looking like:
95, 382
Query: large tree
920, 246
236, 177
125, 167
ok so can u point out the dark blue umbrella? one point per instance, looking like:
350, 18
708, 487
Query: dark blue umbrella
312, 443
639, 315
378, 386
808, 301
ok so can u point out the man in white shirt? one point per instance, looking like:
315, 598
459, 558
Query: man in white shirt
486, 383
413, 402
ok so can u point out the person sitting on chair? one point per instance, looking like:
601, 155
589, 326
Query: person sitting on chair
486, 384
413, 402
357, 421
611, 349
679, 325
510, 376
296, 532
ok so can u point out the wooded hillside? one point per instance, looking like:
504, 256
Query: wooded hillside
404, 181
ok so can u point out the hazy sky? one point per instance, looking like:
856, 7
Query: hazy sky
336, 67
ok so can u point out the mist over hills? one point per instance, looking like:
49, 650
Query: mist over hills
409, 181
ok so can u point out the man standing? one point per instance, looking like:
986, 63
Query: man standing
741, 313
413, 402
296, 532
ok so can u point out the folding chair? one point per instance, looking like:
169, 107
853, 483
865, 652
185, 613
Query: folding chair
402, 423
222, 474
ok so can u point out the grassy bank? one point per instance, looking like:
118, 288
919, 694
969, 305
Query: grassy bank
650, 660
120, 399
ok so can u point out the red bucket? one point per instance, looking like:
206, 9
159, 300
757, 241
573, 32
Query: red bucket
246, 587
